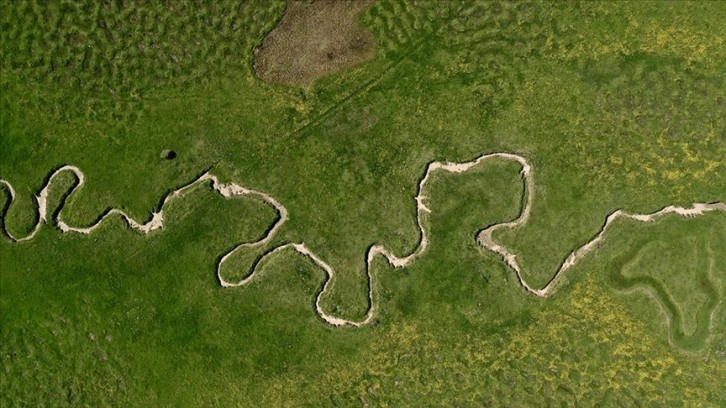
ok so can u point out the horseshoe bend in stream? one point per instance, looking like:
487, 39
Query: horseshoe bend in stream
484, 238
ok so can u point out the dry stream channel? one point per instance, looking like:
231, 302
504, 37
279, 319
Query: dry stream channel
231, 190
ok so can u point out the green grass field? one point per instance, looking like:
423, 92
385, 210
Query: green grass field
616, 105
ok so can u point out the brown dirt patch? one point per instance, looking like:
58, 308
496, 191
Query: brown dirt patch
314, 40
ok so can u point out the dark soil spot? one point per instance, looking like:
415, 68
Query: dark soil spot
314, 40
168, 154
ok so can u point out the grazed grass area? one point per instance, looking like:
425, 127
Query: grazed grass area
616, 105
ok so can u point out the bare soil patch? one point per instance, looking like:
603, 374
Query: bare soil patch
314, 40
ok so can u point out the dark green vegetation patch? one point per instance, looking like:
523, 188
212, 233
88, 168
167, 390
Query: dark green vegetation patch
616, 105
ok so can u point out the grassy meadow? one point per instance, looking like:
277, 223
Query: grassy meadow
616, 105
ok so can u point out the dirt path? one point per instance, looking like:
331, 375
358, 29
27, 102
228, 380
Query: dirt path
484, 238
